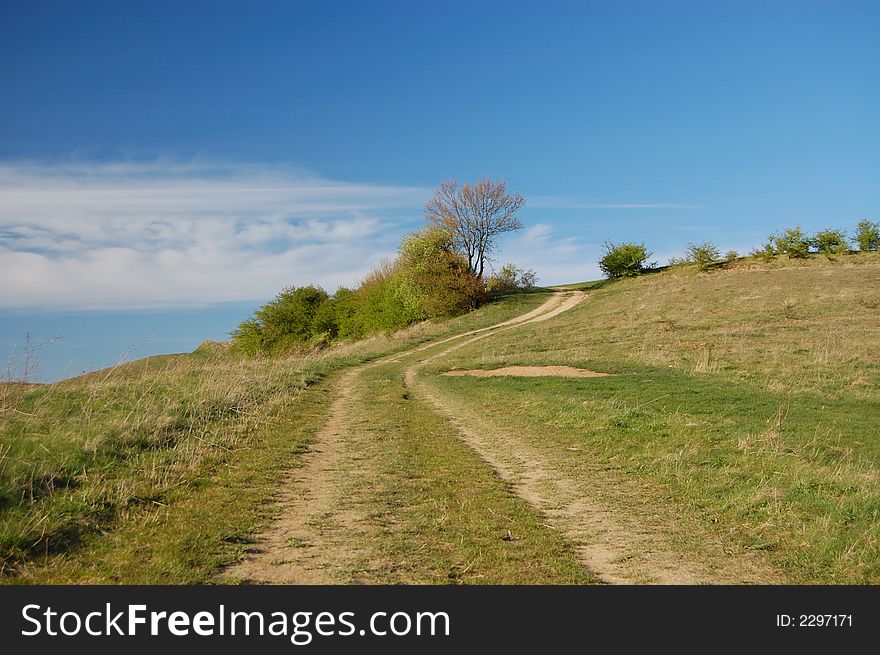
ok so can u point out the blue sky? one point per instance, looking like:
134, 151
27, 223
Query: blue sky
189, 159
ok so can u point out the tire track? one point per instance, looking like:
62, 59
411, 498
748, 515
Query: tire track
604, 517
320, 534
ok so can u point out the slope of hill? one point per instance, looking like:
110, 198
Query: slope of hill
161, 469
734, 439
741, 418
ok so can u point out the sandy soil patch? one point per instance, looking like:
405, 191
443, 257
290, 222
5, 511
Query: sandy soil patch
529, 372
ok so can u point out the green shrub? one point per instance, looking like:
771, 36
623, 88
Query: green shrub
766, 253
460, 292
387, 301
511, 279
326, 320
247, 338
283, 323
868, 235
624, 259
702, 254
830, 242
428, 279
291, 314
792, 242
346, 306
730, 256
437, 275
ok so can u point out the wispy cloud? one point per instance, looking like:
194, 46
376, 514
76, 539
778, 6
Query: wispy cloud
562, 202
160, 233
557, 259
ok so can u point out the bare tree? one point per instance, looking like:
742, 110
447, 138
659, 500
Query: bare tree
474, 215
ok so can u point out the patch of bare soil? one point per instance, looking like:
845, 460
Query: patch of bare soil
319, 534
619, 533
528, 372
313, 534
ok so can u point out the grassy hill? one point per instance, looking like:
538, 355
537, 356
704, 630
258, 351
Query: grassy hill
742, 412
745, 404
160, 470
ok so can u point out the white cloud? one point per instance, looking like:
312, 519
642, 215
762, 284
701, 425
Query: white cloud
556, 259
561, 202
160, 233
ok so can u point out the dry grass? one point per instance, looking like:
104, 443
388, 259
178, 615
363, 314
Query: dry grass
803, 325
80, 453
747, 404
120, 450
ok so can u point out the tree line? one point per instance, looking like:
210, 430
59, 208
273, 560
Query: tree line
439, 271
630, 258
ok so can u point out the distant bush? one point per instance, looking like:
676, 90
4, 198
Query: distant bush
766, 253
326, 320
868, 235
282, 323
792, 242
730, 256
247, 338
386, 301
346, 304
830, 242
428, 279
527, 279
290, 317
624, 259
437, 275
702, 254
511, 279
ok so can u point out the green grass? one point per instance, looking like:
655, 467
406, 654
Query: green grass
745, 403
203, 524
161, 470
445, 516
743, 409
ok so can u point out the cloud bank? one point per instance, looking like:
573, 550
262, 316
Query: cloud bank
561, 202
163, 233
556, 259
157, 234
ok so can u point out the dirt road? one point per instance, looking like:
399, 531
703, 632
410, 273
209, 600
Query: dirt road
323, 531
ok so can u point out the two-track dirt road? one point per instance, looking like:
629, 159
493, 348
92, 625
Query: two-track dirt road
323, 532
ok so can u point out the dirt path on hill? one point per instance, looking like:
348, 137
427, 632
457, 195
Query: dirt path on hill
616, 529
618, 534
319, 534
322, 531
312, 535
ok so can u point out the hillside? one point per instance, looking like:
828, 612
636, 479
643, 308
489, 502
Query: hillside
733, 438
741, 413
160, 470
